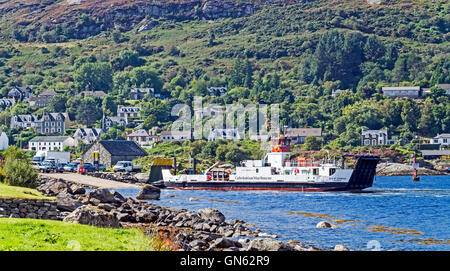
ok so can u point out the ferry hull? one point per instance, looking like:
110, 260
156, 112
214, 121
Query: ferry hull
261, 186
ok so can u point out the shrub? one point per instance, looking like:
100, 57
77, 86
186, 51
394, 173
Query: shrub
20, 173
17, 169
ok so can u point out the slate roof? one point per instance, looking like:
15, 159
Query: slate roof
304, 132
49, 139
123, 148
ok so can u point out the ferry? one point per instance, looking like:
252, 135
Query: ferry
278, 171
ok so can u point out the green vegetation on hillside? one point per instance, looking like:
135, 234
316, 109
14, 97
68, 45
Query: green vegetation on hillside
296, 56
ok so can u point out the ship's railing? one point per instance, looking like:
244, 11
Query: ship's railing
300, 163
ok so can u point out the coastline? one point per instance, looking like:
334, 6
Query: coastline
398, 169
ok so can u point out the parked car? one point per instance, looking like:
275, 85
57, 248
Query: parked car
101, 167
46, 167
87, 167
58, 167
71, 167
128, 166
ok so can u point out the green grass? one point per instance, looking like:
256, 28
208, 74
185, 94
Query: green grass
16, 192
48, 235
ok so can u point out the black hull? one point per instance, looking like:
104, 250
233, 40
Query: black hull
223, 185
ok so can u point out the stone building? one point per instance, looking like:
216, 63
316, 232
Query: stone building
112, 151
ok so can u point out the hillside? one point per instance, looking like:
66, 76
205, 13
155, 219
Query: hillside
101, 15
295, 53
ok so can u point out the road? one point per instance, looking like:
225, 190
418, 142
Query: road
89, 180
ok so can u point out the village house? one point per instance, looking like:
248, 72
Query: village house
139, 93
445, 87
175, 136
20, 93
442, 139
108, 122
335, 93
128, 111
52, 123
298, 135
434, 154
229, 134
407, 92
217, 91
87, 135
112, 151
50, 143
23, 121
42, 100
4, 141
374, 137
6, 102
96, 94
142, 137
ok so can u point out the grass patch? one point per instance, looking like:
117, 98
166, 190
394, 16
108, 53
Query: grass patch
48, 235
16, 192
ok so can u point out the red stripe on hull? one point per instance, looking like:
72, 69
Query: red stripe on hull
307, 189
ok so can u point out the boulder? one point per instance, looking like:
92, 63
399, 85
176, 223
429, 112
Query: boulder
77, 190
211, 214
54, 187
104, 196
149, 192
224, 243
65, 202
142, 177
267, 244
341, 248
325, 225
94, 217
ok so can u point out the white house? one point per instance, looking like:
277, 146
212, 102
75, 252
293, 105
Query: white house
230, 134
4, 141
139, 93
50, 143
374, 137
23, 121
299, 135
175, 136
411, 92
217, 91
87, 135
128, 111
142, 137
445, 87
108, 122
442, 139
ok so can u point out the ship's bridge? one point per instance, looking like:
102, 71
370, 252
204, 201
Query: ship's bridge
281, 150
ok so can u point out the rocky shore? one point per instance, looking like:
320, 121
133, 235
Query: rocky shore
397, 169
204, 230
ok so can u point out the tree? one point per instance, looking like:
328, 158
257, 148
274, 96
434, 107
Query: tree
410, 115
94, 76
140, 77
88, 112
373, 49
127, 58
312, 143
109, 105
57, 104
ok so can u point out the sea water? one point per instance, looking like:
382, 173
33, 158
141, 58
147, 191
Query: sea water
395, 214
